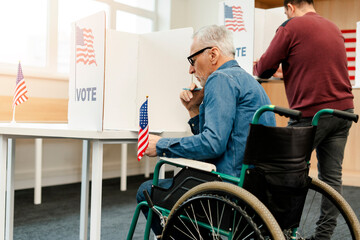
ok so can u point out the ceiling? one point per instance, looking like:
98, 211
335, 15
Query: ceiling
269, 3
273, 3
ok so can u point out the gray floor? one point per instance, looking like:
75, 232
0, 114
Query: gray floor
58, 215
57, 218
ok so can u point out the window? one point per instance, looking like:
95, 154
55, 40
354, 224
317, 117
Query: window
37, 32
23, 32
128, 22
145, 4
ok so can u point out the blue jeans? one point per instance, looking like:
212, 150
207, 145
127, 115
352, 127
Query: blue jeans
164, 183
330, 140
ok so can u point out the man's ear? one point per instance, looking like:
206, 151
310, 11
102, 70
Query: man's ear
291, 7
214, 55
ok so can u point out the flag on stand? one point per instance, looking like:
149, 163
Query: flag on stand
20, 88
84, 41
234, 18
143, 138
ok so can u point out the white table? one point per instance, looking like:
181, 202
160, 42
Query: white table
10, 132
8, 135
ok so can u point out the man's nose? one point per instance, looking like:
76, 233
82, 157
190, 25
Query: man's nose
191, 69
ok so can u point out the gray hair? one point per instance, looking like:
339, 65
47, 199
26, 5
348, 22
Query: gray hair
216, 36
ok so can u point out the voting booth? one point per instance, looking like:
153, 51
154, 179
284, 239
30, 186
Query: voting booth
113, 72
253, 28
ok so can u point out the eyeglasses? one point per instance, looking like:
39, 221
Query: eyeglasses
190, 58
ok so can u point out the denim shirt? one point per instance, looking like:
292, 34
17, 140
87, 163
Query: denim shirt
231, 97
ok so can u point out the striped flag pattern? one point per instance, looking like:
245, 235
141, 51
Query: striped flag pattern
350, 45
143, 138
20, 88
234, 18
84, 41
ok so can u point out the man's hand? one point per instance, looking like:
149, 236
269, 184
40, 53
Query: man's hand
151, 149
279, 72
192, 100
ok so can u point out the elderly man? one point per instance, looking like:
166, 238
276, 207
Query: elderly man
219, 114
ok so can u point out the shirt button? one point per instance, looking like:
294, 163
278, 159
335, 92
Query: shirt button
193, 125
164, 154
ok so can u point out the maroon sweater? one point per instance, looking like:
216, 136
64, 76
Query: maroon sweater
312, 52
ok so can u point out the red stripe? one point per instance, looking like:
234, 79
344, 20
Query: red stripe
21, 90
351, 59
349, 31
349, 40
146, 137
352, 77
143, 141
87, 61
352, 68
350, 49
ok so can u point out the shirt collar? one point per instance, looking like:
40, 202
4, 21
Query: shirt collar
228, 64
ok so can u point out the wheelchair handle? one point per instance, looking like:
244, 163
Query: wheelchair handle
346, 115
287, 112
290, 113
338, 113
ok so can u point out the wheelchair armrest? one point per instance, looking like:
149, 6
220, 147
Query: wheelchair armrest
183, 162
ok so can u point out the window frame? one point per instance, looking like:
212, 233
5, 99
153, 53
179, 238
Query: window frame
50, 70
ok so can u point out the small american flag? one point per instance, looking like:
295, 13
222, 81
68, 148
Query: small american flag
234, 18
350, 45
84, 41
20, 88
143, 139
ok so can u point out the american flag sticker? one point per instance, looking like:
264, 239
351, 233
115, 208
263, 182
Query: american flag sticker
84, 42
233, 18
350, 45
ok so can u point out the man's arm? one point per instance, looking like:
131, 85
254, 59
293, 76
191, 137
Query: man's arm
276, 53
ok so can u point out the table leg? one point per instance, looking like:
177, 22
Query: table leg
84, 204
147, 167
3, 151
38, 169
123, 166
96, 190
9, 219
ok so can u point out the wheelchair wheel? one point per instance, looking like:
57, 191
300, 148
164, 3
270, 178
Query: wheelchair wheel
346, 226
218, 210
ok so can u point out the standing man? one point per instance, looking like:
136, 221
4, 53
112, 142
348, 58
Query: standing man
312, 54
220, 113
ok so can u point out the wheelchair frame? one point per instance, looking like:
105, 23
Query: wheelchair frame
317, 185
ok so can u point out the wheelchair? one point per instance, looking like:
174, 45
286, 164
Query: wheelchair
274, 198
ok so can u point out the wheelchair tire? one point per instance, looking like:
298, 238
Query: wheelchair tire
347, 224
208, 207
